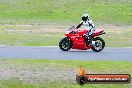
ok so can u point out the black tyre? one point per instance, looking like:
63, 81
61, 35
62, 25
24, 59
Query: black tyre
65, 44
99, 44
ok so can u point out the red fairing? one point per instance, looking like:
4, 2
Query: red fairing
97, 32
76, 36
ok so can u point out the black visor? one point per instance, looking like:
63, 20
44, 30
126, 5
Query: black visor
84, 18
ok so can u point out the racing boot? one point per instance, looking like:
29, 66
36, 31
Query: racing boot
88, 40
91, 41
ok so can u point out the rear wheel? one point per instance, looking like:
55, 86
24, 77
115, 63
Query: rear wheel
99, 44
65, 44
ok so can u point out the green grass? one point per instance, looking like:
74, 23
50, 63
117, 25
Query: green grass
30, 39
94, 66
118, 36
18, 84
61, 11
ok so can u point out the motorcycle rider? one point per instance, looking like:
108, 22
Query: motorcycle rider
89, 26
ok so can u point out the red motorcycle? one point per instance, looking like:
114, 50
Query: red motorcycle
75, 39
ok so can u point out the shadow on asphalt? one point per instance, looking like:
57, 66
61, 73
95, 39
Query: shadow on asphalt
81, 51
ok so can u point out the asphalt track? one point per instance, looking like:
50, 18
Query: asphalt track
30, 52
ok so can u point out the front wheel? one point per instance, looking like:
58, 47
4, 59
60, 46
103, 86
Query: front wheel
65, 44
99, 44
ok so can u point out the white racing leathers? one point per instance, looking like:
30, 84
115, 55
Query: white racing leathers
89, 26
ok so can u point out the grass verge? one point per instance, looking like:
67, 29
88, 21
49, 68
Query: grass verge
39, 11
39, 35
91, 66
